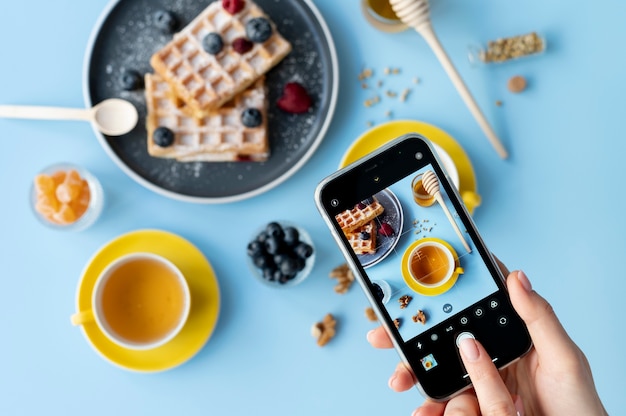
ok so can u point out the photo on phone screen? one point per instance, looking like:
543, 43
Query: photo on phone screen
428, 273
417, 253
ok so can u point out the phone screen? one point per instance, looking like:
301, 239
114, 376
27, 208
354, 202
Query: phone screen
422, 263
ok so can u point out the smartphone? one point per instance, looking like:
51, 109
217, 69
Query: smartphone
417, 254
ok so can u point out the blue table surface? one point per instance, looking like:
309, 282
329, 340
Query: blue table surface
553, 208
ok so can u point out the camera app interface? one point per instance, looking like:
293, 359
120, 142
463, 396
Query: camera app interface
417, 253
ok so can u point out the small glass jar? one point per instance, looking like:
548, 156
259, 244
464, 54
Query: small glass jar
507, 49
265, 262
66, 197
381, 16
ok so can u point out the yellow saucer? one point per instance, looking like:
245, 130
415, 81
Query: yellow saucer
423, 290
205, 300
383, 133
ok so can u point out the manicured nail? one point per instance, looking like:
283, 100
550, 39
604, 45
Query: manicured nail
392, 380
369, 334
469, 349
523, 279
519, 406
417, 412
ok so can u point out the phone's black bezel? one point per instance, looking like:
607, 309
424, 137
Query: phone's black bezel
379, 170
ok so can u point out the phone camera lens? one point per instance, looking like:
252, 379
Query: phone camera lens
334, 202
419, 155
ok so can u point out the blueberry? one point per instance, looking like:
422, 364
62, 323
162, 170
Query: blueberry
289, 266
280, 257
163, 137
292, 236
131, 80
213, 43
303, 250
268, 273
255, 248
262, 261
378, 292
273, 245
262, 237
258, 29
364, 235
251, 117
274, 229
165, 20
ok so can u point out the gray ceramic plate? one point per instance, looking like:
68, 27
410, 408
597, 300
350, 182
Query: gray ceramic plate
125, 37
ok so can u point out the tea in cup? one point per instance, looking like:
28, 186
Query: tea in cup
431, 264
420, 196
140, 301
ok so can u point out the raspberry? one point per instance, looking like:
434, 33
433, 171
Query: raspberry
242, 45
295, 99
386, 230
233, 6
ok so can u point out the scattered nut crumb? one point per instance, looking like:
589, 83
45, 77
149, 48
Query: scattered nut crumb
324, 331
388, 113
420, 317
366, 73
499, 103
370, 123
371, 101
344, 277
390, 93
517, 84
397, 322
370, 314
364, 85
404, 94
416, 80
404, 301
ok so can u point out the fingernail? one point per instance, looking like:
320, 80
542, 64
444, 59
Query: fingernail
469, 349
523, 279
519, 406
417, 412
369, 334
392, 380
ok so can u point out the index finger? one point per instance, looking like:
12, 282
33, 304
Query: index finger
493, 396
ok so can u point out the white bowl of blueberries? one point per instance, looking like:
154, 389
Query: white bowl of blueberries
281, 254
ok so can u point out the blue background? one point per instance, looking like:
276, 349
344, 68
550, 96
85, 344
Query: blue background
554, 209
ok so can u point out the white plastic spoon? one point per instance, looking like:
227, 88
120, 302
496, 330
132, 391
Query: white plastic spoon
113, 117
415, 13
431, 185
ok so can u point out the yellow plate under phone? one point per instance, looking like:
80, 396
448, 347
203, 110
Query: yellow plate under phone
384, 133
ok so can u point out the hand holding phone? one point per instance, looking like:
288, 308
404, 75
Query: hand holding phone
418, 256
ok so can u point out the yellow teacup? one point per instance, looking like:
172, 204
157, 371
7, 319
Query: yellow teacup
139, 301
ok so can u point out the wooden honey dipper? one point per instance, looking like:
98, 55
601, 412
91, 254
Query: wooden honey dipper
431, 185
416, 14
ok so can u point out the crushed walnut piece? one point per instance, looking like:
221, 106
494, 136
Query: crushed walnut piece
397, 322
324, 331
344, 277
404, 301
370, 314
419, 317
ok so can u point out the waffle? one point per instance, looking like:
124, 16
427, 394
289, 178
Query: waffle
359, 245
218, 136
204, 81
351, 219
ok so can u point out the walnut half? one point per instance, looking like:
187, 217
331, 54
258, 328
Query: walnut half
344, 277
324, 331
